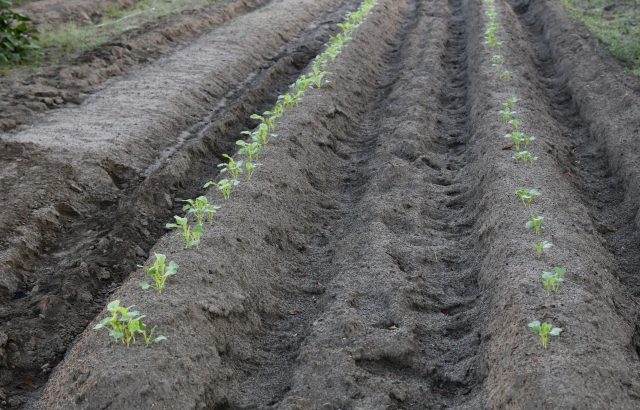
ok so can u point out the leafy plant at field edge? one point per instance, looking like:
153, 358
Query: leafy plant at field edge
544, 330
17, 35
541, 246
159, 272
535, 224
527, 196
552, 280
126, 324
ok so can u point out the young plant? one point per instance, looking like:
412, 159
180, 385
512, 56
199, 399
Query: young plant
505, 75
517, 138
511, 103
159, 272
266, 118
250, 167
527, 196
232, 166
125, 325
181, 224
525, 157
535, 224
250, 149
544, 330
318, 75
552, 280
224, 185
200, 207
507, 114
516, 123
541, 247
497, 60
527, 139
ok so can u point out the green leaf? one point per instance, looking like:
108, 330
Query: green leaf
555, 331
159, 339
535, 325
145, 285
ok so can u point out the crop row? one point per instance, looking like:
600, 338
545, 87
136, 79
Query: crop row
125, 324
521, 142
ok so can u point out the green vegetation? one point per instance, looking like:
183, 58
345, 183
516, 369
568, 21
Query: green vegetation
525, 157
615, 24
527, 196
552, 280
535, 224
544, 330
191, 236
125, 325
200, 207
159, 272
18, 36
541, 247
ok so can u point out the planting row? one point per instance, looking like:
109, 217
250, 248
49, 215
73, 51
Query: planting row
521, 142
124, 324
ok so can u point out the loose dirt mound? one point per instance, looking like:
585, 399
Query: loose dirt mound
378, 257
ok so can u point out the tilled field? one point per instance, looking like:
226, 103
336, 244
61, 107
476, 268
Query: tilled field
378, 257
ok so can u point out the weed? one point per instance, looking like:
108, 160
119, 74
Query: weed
126, 324
17, 35
535, 224
544, 330
159, 272
542, 246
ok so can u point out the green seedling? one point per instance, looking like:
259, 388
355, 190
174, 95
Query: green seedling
250, 167
302, 84
159, 272
542, 246
266, 118
528, 139
232, 166
506, 114
527, 196
544, 330
224, 185
535, 224
200, 207
511, 103
525, 157
516, 123
196, 235
552, 280
497, 60
287, 100
517, 138
125, 325
182, 224
250, 149
505, 75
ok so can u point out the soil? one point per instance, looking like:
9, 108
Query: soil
377, 259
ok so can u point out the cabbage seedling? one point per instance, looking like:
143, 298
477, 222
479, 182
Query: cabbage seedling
511, 102
196, 234
250, 149
516, 123
224, 185
525, 156
159, 272
527, 196
201, 207
535, 224
497, 60
552, 280
505, 75
516, 137
250, 167
266, 118
183, 225
232, 166
542, 246
507, 114
528, 139
544, 330
125, 324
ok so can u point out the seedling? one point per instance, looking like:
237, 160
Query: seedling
516, 137
527, 196
497, 60
287, 100
232, 166
552, 280
528, 139
544, 330
196, 234
250, 167
200, 207
505, 75
525, 157
250, 149
511, 102
125, 324
516, 123
507, 114
159, 272
183, 225
224, 185
535, 224
266, 118
542, 246
318, 75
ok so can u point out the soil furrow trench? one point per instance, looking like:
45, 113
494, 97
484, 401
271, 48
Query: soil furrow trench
66, 282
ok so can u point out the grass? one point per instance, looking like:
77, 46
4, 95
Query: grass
65, 41
615, 23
